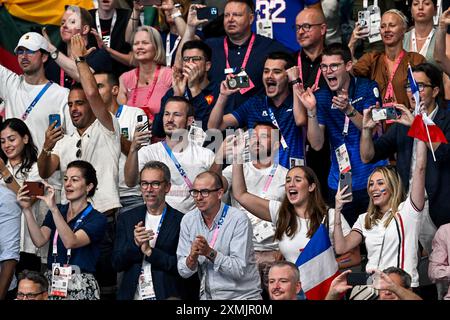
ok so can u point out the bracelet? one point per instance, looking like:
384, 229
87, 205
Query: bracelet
311, 116
48, 152
295, 81
176, 15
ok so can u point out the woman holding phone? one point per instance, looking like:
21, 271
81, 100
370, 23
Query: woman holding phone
75, 230
390, 227
19, 153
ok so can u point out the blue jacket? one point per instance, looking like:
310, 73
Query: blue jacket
127, 257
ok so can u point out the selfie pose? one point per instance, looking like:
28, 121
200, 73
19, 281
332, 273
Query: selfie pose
75, 229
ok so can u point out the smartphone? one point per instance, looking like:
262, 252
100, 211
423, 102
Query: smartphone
209, 13
143, 125
364, 19
392, 113
379, 114
359, 278
150, 2
35, 188
54, 117
345, 179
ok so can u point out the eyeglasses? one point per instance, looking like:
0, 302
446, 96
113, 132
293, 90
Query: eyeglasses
204, 192
78, 154
154, 184
23, 51
28, 296
193, 58
333, 67
420, 86
306, 27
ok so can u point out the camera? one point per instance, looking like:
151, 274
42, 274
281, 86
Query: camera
364, 19
238, 82
389, 113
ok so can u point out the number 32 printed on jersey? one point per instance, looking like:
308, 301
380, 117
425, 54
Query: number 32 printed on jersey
273, 9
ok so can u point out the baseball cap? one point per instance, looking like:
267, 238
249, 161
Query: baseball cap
32, 41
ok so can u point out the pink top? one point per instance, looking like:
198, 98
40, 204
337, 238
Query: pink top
152, 104
439, 267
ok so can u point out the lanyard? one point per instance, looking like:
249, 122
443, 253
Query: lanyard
270, 178
219, 224
35, 100
275, 122
425, 46
161, 221
319, 72
390, 88
119, 111
61, 78
151, 88
178, 166
99, 27
169, 52
247, 54
77, 224
347, 119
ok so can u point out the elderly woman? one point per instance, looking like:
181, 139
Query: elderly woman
145, 85
388, 68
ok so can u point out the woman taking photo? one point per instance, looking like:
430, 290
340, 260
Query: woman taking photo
390, 227
388, 68
20, 155
75, 230
297, 217
145, 85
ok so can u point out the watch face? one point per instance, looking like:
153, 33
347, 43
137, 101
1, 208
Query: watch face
54, 55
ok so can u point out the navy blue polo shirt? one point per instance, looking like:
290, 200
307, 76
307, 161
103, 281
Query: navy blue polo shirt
94, 224
363, 93
255, 66
256, 110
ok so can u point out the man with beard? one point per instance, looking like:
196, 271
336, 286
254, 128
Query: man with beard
278, 106
184, 158
336, 110
264, 177
284, 281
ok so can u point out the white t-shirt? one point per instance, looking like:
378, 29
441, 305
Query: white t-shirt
401, 239
127, 122
18, 96
100, 147
194, 160
291, 248
256, 179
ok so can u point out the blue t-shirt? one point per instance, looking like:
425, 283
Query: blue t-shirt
363, 93
256, 110
283, 14
94, 224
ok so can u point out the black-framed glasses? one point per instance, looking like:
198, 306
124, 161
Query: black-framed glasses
192, 58
78, 154
420, 86
333, 66
204, 192
27, 51
306, 27
28, 296
156, 184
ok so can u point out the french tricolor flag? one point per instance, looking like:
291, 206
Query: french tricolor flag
317, 265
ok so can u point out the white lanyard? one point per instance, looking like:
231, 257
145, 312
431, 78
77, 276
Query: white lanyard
99, 27
169, 52
425, 46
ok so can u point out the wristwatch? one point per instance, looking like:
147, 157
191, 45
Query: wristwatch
54, 54
351, 113
80, 59
212, 254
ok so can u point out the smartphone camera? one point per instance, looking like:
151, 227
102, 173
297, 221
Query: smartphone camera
363, 19
238, 82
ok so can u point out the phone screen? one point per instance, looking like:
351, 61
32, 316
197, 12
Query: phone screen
54, 117
358, 278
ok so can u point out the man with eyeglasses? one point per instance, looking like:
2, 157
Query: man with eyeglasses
32, 286
240, 49
97, 141
31, 96
184, 158
336, 111
396, 140
146, 244
192, 83
216, 241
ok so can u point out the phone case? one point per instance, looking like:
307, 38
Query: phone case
209, 13
35, 188
345, 179
54, 117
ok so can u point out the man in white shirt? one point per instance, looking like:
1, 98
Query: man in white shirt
184, 158
264, 177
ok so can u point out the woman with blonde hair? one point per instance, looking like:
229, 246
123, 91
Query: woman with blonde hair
145, 85
390, 227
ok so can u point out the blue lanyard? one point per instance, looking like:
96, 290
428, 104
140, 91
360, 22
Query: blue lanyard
161, 220
219, 224
275, 122
178, 165
36, 100
83, 215
119, 111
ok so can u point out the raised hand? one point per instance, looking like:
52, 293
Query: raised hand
406, 118
192, 19
49, 196
308, 100
52, 136
368, 122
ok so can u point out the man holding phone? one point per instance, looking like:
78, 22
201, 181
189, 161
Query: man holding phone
336, 110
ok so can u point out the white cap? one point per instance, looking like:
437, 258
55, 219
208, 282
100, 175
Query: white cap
32, 41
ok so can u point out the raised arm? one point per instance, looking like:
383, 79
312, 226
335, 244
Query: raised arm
217, 120
418, 178
366, 146
89, 84
316, 131
297, 88
133, 22
8, 178
48, 162
132, 163
440, 54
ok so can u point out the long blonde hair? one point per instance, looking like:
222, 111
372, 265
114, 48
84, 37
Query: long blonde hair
155, 39
394, 186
